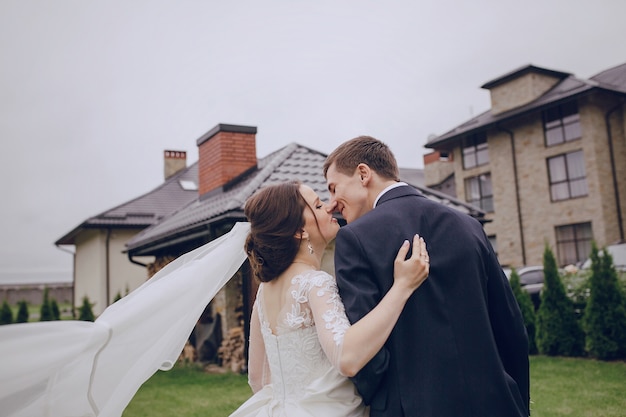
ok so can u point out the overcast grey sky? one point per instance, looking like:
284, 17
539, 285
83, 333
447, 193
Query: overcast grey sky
92, 92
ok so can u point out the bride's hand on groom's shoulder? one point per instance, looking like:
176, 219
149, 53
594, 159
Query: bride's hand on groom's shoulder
411, 272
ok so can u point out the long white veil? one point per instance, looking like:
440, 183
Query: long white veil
76, 368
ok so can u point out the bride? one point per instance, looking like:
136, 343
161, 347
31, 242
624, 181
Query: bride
302, 347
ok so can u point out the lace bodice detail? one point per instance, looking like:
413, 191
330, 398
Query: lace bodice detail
308, 335
325, 291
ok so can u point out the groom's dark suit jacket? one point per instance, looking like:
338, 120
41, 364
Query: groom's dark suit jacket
460, 346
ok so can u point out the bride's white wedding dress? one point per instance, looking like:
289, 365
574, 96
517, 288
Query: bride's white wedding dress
291, 361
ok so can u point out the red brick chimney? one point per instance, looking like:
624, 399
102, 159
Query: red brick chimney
224, 153
436, 156
173, 161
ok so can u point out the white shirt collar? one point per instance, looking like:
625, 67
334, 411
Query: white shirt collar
392, 186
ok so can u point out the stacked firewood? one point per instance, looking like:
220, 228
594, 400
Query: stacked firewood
158, 264
188, 355
231, 352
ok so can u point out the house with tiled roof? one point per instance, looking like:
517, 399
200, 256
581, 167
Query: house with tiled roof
228, 173
547, 163
102, 269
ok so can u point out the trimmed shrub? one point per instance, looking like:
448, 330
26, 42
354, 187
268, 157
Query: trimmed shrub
604, 319
22, 312
6, 315
527, 308
85, 312
558, 330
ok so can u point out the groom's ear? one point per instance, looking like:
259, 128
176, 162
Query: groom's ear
365, 172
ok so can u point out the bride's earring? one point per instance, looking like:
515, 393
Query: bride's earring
309, 246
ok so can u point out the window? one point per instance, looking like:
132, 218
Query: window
478, 192
475, 151
567, 176
562, 124
188, 185
573, 243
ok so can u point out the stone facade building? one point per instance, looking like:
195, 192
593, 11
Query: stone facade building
547, 163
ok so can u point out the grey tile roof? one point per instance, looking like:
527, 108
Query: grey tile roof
613, 80
144, 210
412, 176
293, 162
526, 69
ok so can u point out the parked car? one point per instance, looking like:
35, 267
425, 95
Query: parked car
618, 253
531, 280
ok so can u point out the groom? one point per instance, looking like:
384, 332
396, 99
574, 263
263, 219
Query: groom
460, 346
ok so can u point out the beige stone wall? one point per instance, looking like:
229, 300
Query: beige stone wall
600, 174
436, 172
505, 220
125, 276
534, 188
437, 169
539, 215
89, 269
520, 91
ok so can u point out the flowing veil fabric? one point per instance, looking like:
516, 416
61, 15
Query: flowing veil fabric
75, 368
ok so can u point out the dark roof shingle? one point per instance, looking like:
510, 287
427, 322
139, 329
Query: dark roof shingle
144, 210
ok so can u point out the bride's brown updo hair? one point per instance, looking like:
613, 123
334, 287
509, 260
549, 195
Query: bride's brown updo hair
276, 214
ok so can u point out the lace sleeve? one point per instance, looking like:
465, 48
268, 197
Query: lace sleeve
329, 315
258, 366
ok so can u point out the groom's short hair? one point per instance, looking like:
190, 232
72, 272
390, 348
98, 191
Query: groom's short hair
366, 150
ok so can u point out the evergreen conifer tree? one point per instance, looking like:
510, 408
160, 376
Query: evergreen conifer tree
46, 309
86, 313
22, 312
54, 308
604, 319
558, 331
6, 314
527, 308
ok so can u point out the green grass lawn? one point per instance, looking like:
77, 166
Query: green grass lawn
187, 391
577, 387
559, 387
